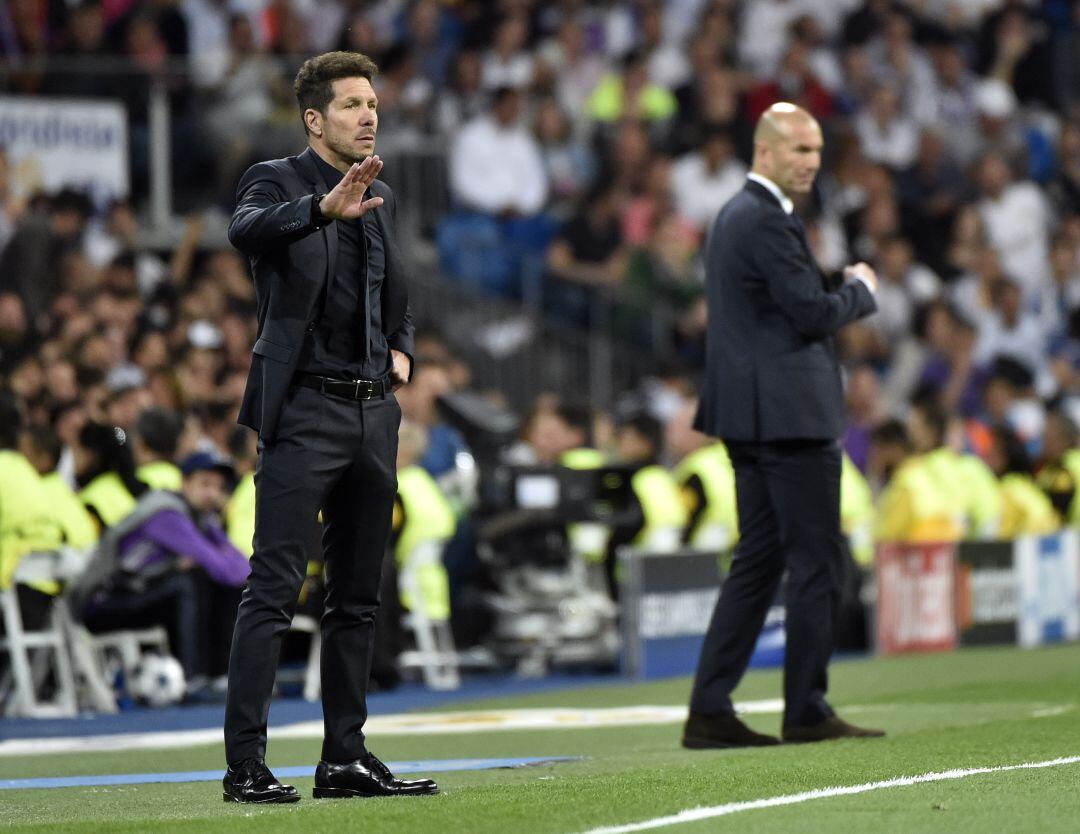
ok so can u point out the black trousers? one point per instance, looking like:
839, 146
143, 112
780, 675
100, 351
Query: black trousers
337, 456
788, 497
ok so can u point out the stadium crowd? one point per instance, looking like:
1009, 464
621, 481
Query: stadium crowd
587, 148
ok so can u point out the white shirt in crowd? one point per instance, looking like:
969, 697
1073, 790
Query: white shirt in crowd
493, 168
1016, 223
894, 144
700, 193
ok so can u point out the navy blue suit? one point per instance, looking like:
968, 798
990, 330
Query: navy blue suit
773, 393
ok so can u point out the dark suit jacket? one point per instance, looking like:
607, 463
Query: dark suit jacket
291, 260
771, 368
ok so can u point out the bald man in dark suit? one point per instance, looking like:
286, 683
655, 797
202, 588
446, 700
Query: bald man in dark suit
773, 393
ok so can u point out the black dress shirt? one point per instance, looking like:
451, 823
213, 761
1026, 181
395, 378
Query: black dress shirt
348, 342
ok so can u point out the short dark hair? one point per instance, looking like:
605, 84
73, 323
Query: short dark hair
314, 84
160, 430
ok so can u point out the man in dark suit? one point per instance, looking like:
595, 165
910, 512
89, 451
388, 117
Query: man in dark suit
773, 393
335, 341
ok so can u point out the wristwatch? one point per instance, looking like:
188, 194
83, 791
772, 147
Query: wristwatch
318, 219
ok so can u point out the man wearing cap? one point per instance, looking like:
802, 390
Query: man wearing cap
335, 341
170, 563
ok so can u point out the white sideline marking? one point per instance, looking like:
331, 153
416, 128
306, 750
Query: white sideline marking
422, 723
1050, 712
697, 814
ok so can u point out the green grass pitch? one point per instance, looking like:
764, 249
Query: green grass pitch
975, 708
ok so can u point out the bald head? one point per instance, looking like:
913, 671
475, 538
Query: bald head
787, 147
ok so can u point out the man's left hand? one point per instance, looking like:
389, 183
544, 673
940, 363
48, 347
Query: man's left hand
400, 367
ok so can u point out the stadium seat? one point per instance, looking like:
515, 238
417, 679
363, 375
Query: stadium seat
34, 653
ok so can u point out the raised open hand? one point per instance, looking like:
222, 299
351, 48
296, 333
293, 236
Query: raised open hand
346, 200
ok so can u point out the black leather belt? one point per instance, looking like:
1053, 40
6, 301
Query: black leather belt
349, 389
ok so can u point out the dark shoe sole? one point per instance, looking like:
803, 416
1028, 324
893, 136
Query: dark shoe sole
694, 743
278, 800
348, 793
828, 738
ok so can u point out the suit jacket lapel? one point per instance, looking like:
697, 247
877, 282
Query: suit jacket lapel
329, 232
395, 297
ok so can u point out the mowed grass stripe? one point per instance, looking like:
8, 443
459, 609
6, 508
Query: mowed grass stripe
959, 711
697, 814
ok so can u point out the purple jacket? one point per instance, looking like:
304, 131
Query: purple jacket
169, 534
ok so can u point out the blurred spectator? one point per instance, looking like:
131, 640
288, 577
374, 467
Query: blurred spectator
463, 98
30, 263
763, 33
703, 181
900, 63
429, 35
17, 340
1012, 332
569, 162
573, 68
630, 93
10, 207
1066, 73
712, 100
864, 409
155, 439
904, 286
242, 103
887, 135
587, 252
1026, 509
1014, 49
556, 433
931, 191
1065, 186
667, 62
792, 80
662, 275
497, 176
1060, 297
1017, 220
169, 563
496, 166
419, 404
507, 63
952, 105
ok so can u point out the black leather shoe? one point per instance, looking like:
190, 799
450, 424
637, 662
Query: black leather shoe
367, 776
252, 781
831, 728
704, 732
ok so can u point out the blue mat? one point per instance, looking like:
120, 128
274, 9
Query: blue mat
435, 766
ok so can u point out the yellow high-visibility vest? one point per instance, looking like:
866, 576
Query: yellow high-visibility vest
663, 508
26, 522
428, 524
108, 497
717, 526
1026, 509
240, 515
160, 474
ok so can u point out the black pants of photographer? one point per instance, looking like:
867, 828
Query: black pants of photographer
197, 613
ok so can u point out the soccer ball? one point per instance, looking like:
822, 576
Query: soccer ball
158, 680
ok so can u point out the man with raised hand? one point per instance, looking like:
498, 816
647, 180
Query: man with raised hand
335, 342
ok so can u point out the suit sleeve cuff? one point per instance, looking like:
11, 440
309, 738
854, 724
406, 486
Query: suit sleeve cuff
866, 283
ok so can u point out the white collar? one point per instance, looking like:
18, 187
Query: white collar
774, 189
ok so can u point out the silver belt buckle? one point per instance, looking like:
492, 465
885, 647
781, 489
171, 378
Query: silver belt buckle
356, 389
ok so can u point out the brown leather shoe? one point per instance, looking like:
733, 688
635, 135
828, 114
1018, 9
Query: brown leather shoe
832, 727
705, 732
